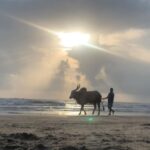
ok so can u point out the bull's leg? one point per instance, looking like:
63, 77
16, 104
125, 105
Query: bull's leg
80, 110
98, 109
94, 109
83, 110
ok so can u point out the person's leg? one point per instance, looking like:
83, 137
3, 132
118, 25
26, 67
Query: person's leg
109, 109
111, 105
112, 110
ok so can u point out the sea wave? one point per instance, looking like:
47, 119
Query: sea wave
23, 106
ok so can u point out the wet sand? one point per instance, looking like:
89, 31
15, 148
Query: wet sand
43, 132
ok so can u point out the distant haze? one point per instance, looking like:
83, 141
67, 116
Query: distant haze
33, 65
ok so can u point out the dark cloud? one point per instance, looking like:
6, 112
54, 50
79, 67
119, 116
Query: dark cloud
125, 75
59, 78
103, 15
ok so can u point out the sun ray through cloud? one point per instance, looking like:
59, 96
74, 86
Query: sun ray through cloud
68, 40
103, 49
29, 23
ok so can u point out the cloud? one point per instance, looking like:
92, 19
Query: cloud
39, 68
66, 79
103, 78
128, 43
128, 76
119, 38
46, 74
104, 16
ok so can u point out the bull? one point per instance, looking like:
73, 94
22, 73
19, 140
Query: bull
84, 97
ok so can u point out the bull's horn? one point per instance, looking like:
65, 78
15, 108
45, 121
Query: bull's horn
78, 86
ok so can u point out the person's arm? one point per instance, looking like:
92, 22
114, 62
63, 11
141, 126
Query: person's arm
105, 98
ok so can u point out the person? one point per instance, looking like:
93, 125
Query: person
110, 98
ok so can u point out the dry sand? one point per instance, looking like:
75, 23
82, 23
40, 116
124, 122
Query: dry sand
20, 132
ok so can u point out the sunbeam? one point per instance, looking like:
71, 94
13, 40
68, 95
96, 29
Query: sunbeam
29, 23
103, 50
67, 40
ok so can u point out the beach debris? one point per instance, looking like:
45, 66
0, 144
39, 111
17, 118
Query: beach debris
73, 148
69, 148
146, 124
24, 136
14, 147
40, 147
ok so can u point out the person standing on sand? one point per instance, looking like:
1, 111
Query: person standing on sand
110, 98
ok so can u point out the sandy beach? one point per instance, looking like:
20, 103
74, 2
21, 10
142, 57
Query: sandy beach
20, 132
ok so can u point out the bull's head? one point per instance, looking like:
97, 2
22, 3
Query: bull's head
74, 92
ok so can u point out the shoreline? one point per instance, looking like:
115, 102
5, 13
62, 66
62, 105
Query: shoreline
73, 113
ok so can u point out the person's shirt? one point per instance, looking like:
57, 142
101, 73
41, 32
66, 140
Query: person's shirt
110, 97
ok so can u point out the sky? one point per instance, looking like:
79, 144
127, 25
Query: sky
34, 65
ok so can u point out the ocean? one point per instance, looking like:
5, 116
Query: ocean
69, 108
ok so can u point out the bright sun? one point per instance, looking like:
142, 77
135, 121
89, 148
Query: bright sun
72, 39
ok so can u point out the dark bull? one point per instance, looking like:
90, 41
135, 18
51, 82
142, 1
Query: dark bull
84, 97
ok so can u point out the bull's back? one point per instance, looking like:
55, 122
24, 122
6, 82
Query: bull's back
92, 97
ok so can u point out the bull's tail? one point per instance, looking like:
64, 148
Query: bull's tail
103, 105
102, 102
